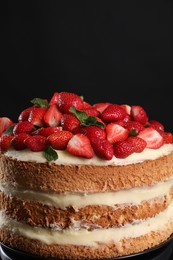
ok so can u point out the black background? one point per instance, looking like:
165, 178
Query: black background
116, 51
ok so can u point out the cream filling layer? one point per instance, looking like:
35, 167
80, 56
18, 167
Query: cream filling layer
66, 158
76, 200
160, 222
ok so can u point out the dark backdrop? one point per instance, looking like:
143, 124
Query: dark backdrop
117, 51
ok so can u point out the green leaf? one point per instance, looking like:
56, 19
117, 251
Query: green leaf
40, 102
133, 132
9, 130
50, 154
85, 119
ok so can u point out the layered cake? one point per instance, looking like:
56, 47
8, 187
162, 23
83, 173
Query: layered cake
84, 181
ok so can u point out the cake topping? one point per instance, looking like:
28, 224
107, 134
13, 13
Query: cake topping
68, 122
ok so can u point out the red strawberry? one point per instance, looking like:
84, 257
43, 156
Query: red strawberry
134, 127
152, 137
156, 125
116, 133
36, 116
18, 141
5, 142
23, 127
36, 143
113, 113
25, 114
86, 105
139, 114
126, 108
101, 106
67, 100
93, 132
60, 139
91, 111
52, 116
54, 99
124, 121
167, 137
125, 148
103, 148
80, 145
46, 131
5, 123
70, 123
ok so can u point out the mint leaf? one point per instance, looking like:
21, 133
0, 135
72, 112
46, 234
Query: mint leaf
9, 130
50, 154
133, 132
40, 102
85, 119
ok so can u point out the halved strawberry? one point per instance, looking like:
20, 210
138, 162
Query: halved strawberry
52, 116
60, 139
67, 100
36, 116
101, 106
36, 143
113, 113
70, 122
80, 145
54, 99
139, 114
18, 141
5, 142
102, 148
152, 137
116, 132
23, 127
5, 123
126, 108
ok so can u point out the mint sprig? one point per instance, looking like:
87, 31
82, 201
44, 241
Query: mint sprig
85, 119
40, 102
50, 154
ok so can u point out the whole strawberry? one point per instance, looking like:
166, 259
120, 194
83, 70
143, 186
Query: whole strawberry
67, 100
113, 113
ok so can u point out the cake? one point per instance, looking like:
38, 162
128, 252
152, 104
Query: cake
83, 181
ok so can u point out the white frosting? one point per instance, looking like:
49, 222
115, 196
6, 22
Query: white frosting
66, 158
160, 222
76, 200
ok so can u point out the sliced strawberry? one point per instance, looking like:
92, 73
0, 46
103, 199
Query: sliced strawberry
80, 145
139, 114
152, 137
36, 143
5, 123
36, 116
93, 132
52, 116
103, 148
46, 131
113, 113
126, 108
5, 142
70, 123
101, 106
24, 115
134, 127
23, 127
54, 99
60, 139
67, 100
156, 125
116, 132
18, 141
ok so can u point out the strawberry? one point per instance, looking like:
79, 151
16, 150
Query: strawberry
167, 137
25, 114
52, 116
124, 121
125, 148
54, 99
86, 105
113, 113
23, 127
126, 108
152, 137
91, 111
18, 141
5, 142
67, 100
101, 106
156, 125
93, 132
139, 114
134, 127
116, 133
60, 139
36, 116
102, 148
70, 123
46, 131
80, 145
5, 123
36, 143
